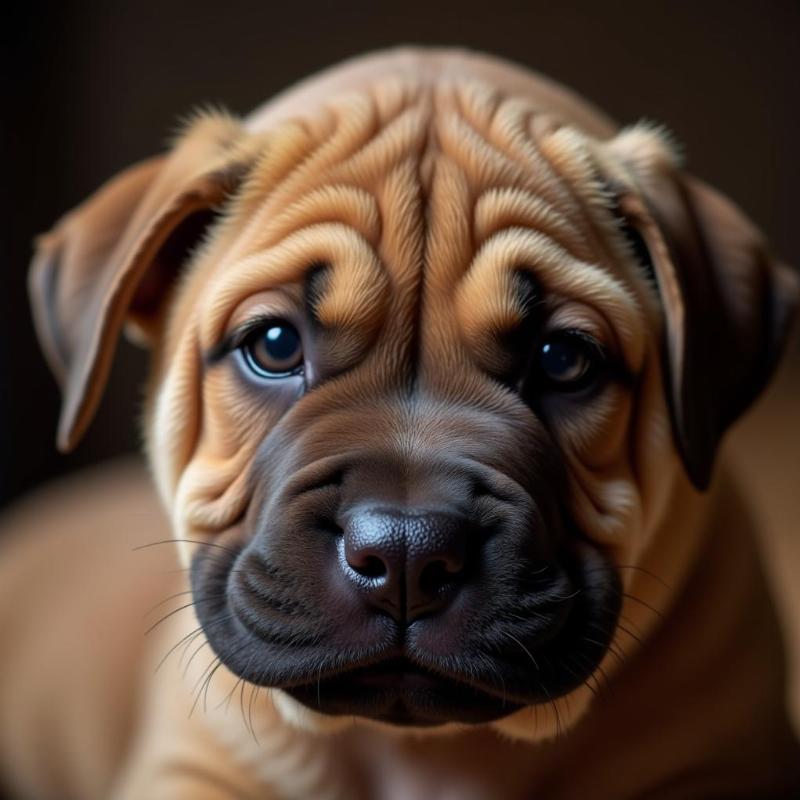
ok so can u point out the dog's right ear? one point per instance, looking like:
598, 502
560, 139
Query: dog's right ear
114, 258
728, 302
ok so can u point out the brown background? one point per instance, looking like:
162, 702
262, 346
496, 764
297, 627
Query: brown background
88, 87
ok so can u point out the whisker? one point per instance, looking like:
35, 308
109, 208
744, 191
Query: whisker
582, 661
486, 660
643, 603
253, 693
629, 633
616, 651
565, 699
189, 638
194, 638
202, 599
565, 597
203, 644
165, 600
319, 685
237, 684
241, 708
211, 665
574, 674
187, 541
211, 675
525, 649
534, 614
174, 647
207, 684
179, 570
633, 567
170, 614
628, 621
226, 701
610, 647
593, 676
205, 671
554, 704
604, 675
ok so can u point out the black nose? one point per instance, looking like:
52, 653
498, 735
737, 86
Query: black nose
408, 564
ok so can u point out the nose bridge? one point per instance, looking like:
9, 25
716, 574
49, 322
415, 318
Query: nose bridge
410, 470
426, 483
433, 453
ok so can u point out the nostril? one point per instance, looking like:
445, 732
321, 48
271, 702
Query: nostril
370, 567
409, 564
434, 576
440, 573
372, 548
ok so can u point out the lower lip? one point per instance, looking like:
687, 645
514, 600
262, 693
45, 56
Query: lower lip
395, 677
403, 694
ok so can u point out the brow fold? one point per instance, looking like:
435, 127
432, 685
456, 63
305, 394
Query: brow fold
356, 290
485, 301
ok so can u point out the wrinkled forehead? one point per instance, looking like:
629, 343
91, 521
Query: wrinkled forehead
414, 195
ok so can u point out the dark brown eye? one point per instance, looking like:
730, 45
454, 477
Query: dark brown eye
274, 350
570, 361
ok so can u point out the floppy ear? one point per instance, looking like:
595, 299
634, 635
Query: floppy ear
114, 258
727, 302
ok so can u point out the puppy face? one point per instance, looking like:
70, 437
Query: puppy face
409, 410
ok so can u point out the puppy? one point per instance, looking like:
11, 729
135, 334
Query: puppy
441, 362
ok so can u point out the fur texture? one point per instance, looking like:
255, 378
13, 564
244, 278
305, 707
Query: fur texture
425, 186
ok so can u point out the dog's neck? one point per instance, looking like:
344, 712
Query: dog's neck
723, 688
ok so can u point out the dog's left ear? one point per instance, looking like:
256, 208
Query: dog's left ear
114, 259
727, 302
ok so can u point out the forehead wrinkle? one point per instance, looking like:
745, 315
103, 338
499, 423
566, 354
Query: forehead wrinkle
335, 203
356, 121
356, 273
287, 148
483, 158
394, 93
359, 118
401, 251
402, 246
368, 133
600, 203
525, 135
567, 150
404, 135
401, 202
509, 130
481, 162
556, 271
449, 246
477, 102
499, 208
353, 120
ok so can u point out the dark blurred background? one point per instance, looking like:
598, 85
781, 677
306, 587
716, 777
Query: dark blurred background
89, 87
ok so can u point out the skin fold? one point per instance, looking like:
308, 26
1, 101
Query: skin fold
429, 222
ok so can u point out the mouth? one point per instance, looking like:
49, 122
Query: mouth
435, 671
400, 692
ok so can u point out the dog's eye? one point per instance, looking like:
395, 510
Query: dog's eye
273, 350
570, 360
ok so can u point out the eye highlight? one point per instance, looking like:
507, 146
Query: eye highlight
273, 350
571, 360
